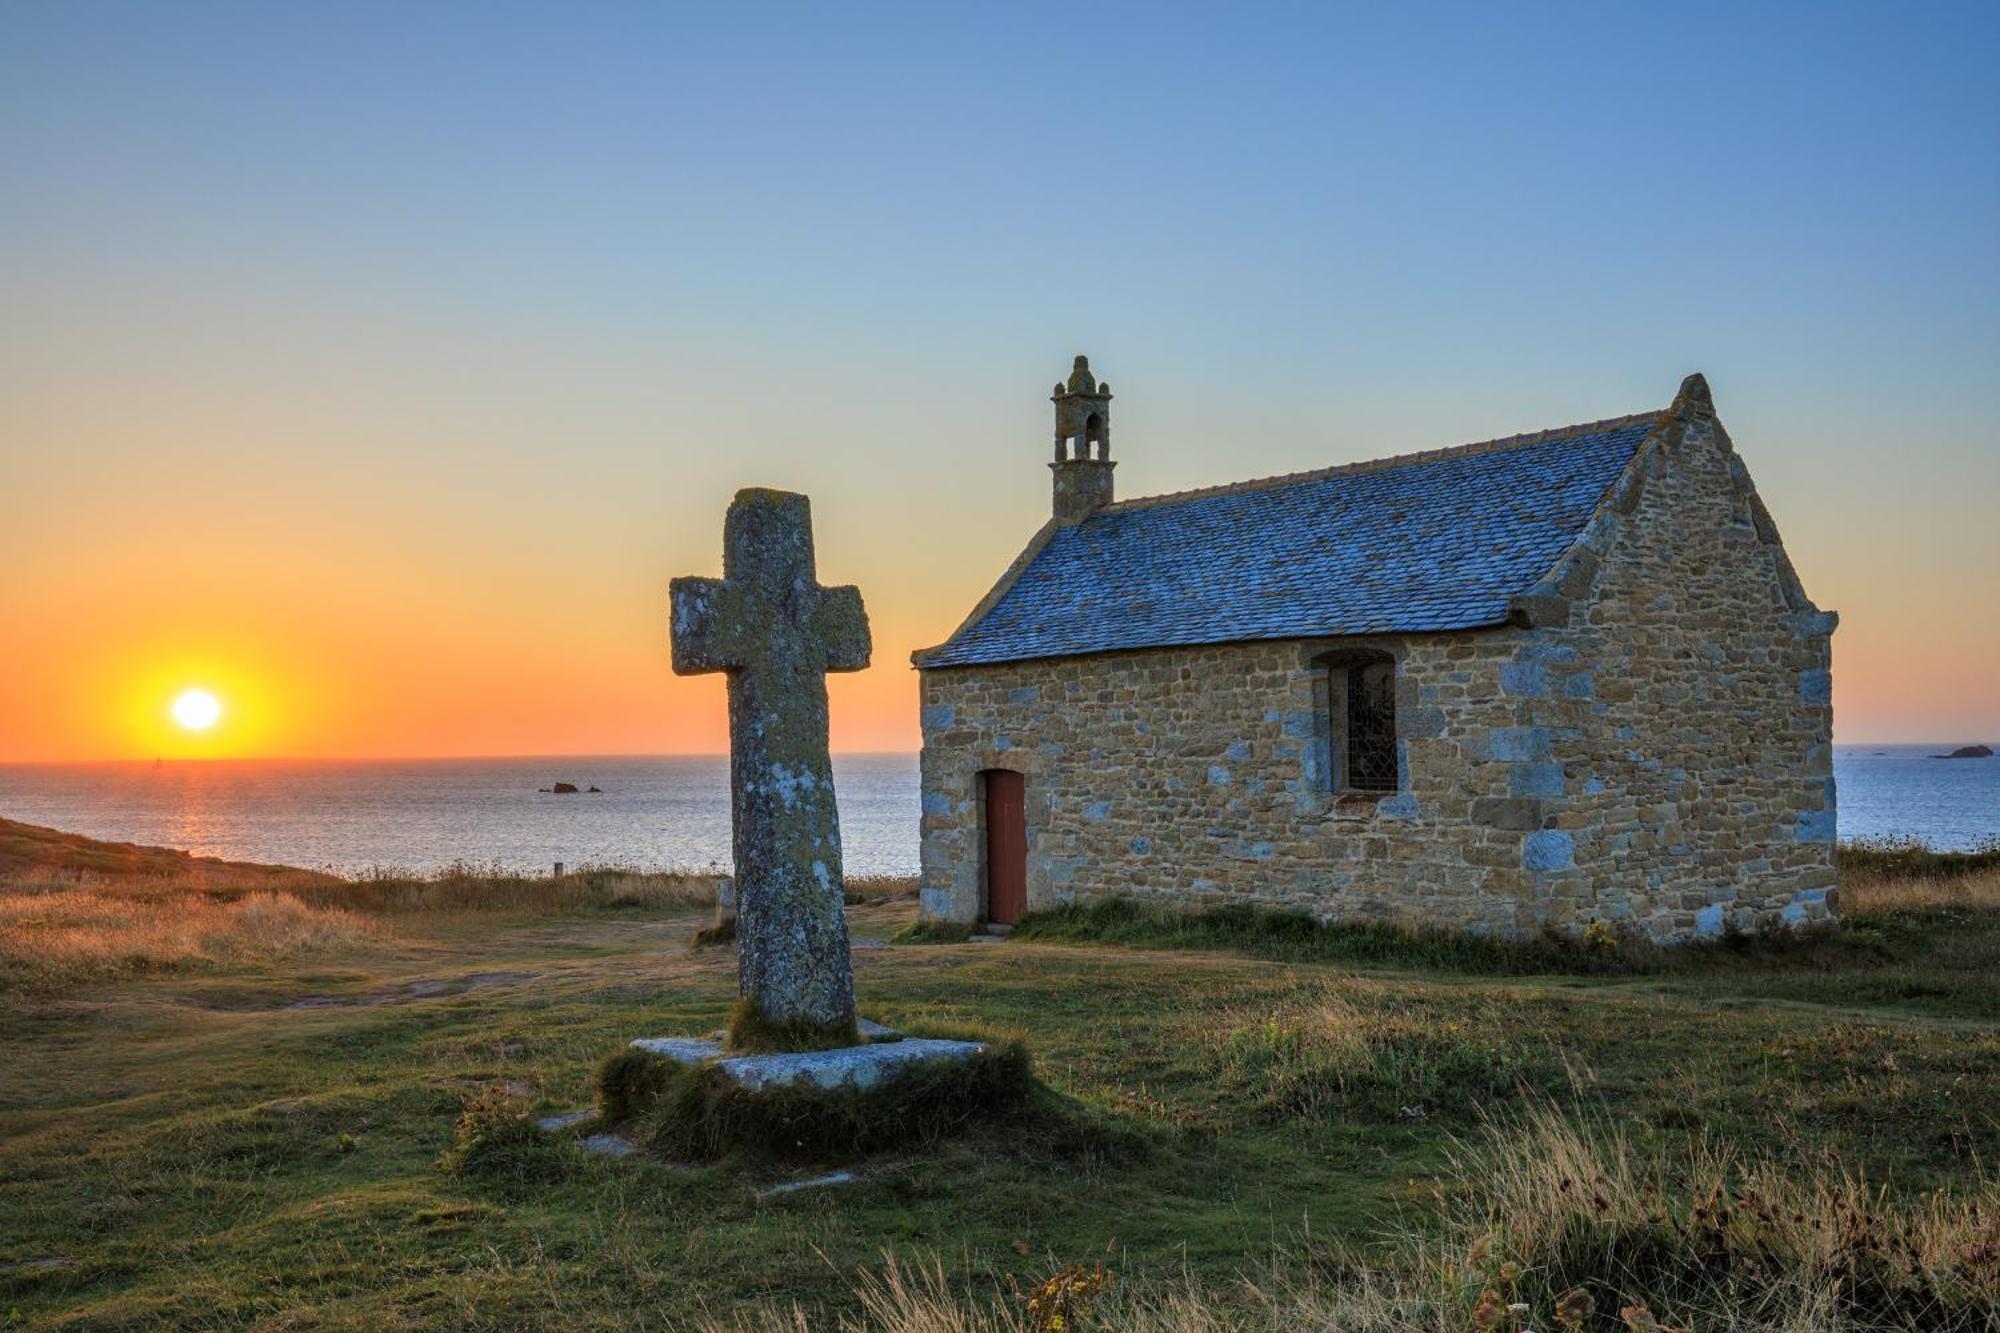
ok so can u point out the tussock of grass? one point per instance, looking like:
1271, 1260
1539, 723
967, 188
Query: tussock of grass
70, 935
933, 932
497, 1140
698, 1112
1341, 1052
1544, 1221
1554, 1203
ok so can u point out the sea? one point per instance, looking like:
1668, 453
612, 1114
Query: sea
672, 812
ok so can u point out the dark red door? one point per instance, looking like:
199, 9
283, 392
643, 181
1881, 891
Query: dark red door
1006, 847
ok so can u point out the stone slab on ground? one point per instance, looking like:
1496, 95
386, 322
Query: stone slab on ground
843, 1066
611, 1145
552, 1123
687, 1050
813, 1182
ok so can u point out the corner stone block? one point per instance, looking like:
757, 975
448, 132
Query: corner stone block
938, 717
1816, 686
1548, 849
936, 904
1816, 826
936, 803
1708, 922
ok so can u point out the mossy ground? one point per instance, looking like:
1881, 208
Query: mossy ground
260, 1144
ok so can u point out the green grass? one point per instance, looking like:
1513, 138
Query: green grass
341, 1140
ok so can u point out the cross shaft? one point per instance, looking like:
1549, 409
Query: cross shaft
770, 626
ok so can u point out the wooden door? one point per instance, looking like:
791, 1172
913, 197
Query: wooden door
1006, 847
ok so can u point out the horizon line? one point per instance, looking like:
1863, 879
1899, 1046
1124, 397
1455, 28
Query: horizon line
630, 754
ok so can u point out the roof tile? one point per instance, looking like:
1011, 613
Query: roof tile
1436, 542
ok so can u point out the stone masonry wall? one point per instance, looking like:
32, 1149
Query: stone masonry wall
1698, 790
1653, 751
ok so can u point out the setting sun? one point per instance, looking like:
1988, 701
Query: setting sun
197, 710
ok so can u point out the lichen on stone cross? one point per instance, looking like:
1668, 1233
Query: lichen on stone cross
776, 632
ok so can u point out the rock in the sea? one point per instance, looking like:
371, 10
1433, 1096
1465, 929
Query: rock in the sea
1968, 752
564, 789
594, 791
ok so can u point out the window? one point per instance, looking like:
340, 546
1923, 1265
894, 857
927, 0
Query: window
1356, 724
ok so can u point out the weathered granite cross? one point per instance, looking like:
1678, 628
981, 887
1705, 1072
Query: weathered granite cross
769, 624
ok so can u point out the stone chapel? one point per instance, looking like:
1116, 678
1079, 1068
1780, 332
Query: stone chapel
1529, 684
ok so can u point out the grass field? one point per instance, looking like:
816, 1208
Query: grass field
236, 1116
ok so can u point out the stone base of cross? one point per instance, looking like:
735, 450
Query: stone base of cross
769, 625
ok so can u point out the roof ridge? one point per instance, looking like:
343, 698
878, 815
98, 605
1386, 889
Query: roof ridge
1384, 464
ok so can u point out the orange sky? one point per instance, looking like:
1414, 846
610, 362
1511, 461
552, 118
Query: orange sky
487, 575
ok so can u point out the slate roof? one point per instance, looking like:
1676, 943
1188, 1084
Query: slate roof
1437, 541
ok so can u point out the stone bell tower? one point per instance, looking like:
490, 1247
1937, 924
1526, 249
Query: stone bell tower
1083, 444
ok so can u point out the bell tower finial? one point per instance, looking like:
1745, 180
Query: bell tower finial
1083, 444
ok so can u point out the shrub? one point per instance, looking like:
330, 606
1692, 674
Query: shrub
497, 1140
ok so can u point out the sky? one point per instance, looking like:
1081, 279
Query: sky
375, 367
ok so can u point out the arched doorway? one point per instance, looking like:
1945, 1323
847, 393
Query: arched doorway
1004, 794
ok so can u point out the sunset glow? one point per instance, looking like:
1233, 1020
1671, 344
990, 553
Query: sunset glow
197, 710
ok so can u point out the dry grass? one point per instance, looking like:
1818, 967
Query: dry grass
1865, 894
1552, 1222
467, 889
73, 911
1353, 1047
63, 936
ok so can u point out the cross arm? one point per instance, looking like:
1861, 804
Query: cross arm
707, 626
840, 626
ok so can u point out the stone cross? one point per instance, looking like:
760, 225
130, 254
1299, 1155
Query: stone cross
769, 624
